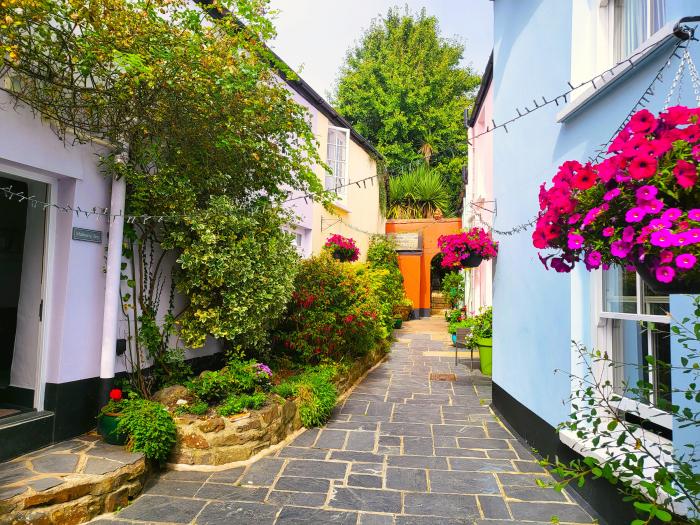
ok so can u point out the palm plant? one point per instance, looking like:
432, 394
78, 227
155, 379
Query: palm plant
417, 194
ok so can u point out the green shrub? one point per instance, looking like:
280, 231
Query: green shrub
332, 314
198, 408
150, 428
236, 404
453, 288
238, 377
212, 386
315, 391
483, 324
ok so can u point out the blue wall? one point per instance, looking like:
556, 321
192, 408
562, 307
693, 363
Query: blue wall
536, 312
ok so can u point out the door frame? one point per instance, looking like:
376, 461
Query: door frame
14, 171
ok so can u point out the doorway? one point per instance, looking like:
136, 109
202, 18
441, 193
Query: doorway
22, 244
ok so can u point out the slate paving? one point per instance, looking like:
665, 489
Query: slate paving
401, 450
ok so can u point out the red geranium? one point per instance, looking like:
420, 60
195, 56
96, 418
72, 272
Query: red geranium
115, 394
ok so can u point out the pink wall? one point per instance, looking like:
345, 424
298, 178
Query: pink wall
478, 199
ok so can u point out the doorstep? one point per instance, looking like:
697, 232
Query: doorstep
25, 432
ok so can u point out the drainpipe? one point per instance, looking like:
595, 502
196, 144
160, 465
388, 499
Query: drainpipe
112, 284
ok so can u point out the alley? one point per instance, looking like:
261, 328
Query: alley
402, 449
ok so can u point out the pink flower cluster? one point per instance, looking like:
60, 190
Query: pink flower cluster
641, 205
458, 247
342, 248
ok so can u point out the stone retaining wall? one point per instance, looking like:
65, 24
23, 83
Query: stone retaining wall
221, 440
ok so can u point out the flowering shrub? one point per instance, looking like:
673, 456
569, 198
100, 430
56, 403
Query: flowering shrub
342, 248
639, 208
459, 247
332, 314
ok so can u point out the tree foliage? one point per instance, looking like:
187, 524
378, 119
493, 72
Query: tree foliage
404, 89
417, 194
203, 132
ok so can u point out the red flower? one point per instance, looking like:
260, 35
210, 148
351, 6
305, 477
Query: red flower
642, 167
584, 178
643, 122
115, 394
686, 174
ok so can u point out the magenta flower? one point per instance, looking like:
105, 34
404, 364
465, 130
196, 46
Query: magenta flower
672, 214
635, 214
645, 193
653, 206
593, 260
693, 235
663, 238
659, 223
665, 274
609, 231
686, 261
628, 234
575, 241
666, 256
611, 194
620, 249
682, 239
694, 214
574, 218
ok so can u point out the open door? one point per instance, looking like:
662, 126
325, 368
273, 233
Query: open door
22, 242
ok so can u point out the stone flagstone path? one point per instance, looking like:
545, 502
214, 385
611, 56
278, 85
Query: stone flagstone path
401, 450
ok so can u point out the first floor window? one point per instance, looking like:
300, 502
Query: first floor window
336, 158
636, 334
635, 21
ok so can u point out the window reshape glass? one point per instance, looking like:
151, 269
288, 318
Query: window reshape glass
337, 160
634, 22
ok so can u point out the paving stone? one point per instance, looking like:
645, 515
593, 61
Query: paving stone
367, 468
367, 426
263, 472
545, 511
522, 480
481, 465
224, 476
418, 446
445, 441
361, 441
113, 452
297, 484
101, 466
405, 429
225, 492
444, 505
331, 439
235, 512
376, 519
305, 499
163, 509
534, 493
304, 516
390, 441
365, 481
430, 520
366, 499
529, 466
353, 406
315, 469
461, 452
56, 463
418, 462
493, 507
307, 438
10, 492
15, 474
45, 483
414, 480
501, 454
457, 482
461, 431
303, 453
359, 457
166, 487
193, 475
380, 408
486, 443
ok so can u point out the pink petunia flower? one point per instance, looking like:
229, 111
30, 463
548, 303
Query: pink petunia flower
646, 192
620, 249
575, 241
662, 238
628, 234
643, 122
665, 274
694, 214
609, 231
686, 261
672, 214
593, 260
642, 167
666, 256
659, 223
635, 214
686, 174
611, 194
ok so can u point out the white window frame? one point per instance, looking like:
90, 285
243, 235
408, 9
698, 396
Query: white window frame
608, 33
603, 331
341, 191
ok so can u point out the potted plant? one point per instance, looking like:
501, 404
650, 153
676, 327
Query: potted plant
108, 419
404, 309
467, 249
639, 208
481, 337
342, 248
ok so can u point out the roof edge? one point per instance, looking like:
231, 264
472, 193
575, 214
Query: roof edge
486, 79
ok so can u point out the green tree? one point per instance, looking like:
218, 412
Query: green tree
404, 89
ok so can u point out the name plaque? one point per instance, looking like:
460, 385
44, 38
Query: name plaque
85, 235
408, 241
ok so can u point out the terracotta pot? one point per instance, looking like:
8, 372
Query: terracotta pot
687, 282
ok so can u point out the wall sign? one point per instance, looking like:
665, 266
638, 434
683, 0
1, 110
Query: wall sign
85, 235
408, 241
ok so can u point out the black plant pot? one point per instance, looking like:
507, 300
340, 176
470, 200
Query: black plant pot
472, 261
687, 282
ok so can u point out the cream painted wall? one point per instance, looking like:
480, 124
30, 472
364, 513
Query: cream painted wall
359, 212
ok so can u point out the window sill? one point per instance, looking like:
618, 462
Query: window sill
341, 204
652, 47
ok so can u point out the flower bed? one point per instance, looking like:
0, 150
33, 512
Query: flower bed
219, 440
639, 208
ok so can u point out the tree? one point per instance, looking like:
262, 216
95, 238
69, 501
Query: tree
417, 194
403, 88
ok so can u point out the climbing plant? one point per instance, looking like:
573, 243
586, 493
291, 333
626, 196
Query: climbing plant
197, 122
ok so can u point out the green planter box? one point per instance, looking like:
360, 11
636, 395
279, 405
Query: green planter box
485, 354
107, 428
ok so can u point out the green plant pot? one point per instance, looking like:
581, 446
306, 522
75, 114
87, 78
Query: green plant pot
397, 323
107, 428
485, 354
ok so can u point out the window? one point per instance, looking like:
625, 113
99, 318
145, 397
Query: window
634, 325
634, 21
337, 160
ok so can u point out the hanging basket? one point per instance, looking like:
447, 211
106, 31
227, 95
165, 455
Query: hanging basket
683, 283
472, 261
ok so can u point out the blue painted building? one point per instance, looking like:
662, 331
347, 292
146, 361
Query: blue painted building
539, 47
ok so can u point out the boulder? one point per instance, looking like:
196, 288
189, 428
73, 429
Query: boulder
170, 395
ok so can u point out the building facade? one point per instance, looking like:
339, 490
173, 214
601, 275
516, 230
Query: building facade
539, 47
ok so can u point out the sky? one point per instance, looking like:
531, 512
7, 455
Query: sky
314, 35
